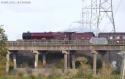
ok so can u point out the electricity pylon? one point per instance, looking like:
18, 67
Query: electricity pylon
106, 10
96, 11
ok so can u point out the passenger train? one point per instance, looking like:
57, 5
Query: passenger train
116, 37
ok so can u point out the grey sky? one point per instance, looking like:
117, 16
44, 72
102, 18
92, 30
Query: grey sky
47, 15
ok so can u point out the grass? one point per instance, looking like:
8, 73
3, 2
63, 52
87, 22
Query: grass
90, 77
29, 77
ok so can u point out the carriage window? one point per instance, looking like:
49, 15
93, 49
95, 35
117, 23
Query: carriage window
117, 41
118, 37
123, 37
111, 37
82, 37
43, 38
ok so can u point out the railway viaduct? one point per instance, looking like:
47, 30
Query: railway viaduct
66, 47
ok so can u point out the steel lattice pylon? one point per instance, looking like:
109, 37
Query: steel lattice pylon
94, 11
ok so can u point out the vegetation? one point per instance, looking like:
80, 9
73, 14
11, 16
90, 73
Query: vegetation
3, 39
104, 73
3, 49
83, 72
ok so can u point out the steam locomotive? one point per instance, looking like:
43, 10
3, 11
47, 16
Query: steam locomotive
58, 36
117, 37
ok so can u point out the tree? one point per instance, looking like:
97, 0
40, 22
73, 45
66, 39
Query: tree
3, 50
3, 39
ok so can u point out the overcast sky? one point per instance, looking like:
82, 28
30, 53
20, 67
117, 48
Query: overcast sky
47, 15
